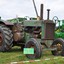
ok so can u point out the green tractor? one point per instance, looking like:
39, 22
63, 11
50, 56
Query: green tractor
37, 34
44, 35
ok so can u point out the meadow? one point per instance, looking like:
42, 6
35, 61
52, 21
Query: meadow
16, 55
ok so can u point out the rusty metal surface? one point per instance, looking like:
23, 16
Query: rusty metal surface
48, 14
17, 32
17, 36
49, 30
48, 21
41, 12
35, 8
8, 23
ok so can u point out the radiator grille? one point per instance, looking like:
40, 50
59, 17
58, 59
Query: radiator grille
49, 30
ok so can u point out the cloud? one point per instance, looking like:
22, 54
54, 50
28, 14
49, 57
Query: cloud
11, 8
56, 7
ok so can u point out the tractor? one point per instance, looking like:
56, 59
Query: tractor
45, 35
37, 34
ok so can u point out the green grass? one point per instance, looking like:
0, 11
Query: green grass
15, 55
60, 61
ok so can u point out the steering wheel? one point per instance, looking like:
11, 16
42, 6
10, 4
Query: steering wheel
27, 17
55, 19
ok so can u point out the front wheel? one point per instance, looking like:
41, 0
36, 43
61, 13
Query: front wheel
59, 44
32, 43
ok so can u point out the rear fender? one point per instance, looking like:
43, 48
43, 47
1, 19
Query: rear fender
6, 23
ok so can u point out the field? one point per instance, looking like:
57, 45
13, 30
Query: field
15, 55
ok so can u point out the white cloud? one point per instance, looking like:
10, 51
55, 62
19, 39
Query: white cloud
11, 8
56, 6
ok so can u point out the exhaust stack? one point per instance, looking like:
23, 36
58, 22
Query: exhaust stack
41, 12
48, 14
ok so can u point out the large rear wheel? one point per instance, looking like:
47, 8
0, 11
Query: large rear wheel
6, 38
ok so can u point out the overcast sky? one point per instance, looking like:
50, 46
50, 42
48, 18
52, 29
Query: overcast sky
10, 8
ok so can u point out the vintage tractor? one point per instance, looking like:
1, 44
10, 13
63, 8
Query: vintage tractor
12, 33
41, 35
36, 34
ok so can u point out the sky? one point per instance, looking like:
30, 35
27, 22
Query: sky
11, 8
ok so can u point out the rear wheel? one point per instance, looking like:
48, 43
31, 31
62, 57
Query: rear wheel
59, 44
32, 43
6, 38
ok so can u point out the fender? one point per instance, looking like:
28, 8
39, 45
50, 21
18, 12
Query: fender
6, 23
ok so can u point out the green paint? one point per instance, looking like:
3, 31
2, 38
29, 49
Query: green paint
32, 23
42, 30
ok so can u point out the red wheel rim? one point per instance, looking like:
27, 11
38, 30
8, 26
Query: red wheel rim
1, 39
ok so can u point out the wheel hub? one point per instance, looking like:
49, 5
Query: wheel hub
59, 47
32, 55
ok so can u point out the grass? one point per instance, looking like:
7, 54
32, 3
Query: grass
15, 55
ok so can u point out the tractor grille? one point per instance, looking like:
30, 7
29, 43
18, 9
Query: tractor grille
49, 30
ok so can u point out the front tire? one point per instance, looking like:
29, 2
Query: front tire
59, 44
32, 43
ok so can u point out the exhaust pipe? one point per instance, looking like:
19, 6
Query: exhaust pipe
48, 14
41, 12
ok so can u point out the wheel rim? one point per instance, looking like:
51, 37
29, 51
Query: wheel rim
32, 55
1, 39
59, 48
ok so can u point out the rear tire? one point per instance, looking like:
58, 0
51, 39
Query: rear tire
7, 38
59, 43
37, 49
